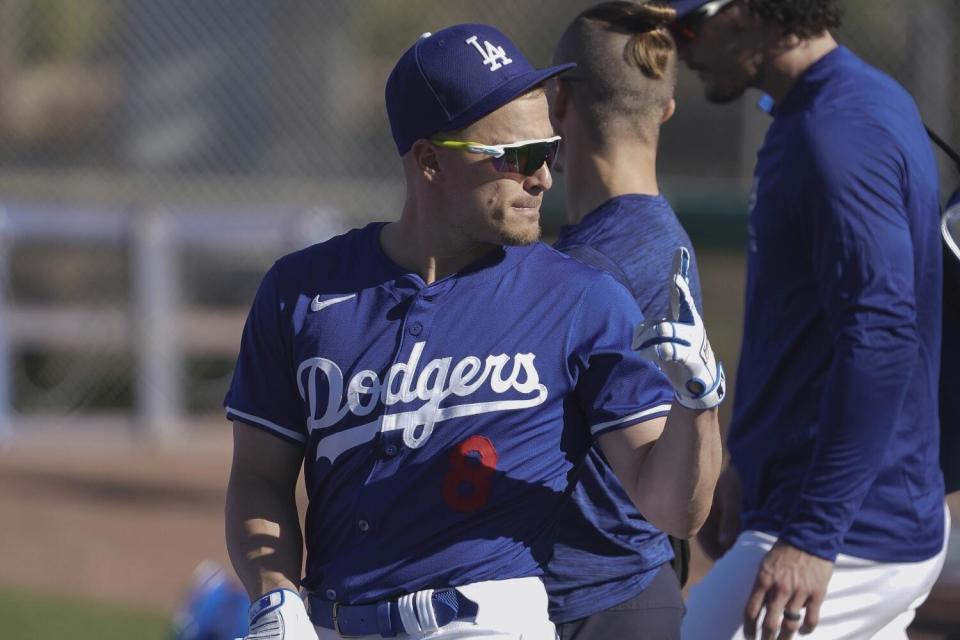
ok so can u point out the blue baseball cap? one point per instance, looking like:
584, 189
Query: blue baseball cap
454, 77
683, 7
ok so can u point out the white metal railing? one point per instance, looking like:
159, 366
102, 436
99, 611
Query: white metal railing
154, 326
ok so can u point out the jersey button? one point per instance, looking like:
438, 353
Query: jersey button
363, 525
416, 329
331, 594
391, 450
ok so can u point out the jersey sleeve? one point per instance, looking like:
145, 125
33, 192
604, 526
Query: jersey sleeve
640, 263
863, 258
589, 255
615, 387
263, 392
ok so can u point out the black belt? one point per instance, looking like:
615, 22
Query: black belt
383, 618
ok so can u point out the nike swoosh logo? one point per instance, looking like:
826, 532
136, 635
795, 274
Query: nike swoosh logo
316, 304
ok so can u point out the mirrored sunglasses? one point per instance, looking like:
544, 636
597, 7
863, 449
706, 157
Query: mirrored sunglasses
524, 157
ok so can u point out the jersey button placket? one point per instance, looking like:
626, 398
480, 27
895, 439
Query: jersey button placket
419, 314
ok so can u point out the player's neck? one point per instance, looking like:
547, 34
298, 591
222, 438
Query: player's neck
615, 170
790, 61
429, 254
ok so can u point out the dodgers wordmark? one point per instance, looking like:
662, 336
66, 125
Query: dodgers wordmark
434, 384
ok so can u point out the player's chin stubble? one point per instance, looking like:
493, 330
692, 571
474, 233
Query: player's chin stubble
514, 239
519, 232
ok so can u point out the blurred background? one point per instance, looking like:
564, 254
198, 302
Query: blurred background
157, 155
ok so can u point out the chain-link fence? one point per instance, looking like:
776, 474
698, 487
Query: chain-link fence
155, 155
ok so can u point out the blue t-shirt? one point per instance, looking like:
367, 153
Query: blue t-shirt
605, 552
442, 422
835, 429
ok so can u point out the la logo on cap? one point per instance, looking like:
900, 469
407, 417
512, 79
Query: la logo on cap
494, 56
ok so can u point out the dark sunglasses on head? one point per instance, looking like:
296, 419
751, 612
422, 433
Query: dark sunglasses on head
524, 157
685, 29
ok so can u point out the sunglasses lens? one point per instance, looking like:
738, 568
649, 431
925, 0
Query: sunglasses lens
527, 159
507, 163
551, 153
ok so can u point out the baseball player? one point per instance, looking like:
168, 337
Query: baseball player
440, 378
610, 574
834, 436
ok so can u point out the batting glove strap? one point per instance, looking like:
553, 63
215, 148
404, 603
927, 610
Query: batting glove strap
280, 615
708, 399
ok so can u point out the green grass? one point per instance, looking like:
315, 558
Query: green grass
32, 617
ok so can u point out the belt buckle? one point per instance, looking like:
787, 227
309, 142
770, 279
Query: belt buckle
336, 623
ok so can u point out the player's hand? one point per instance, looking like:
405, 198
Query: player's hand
280, 615
789, 580
722, 526
679, 345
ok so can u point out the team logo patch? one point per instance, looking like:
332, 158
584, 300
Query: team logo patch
493, 56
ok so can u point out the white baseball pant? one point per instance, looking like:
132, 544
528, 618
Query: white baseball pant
865, 599
508, 609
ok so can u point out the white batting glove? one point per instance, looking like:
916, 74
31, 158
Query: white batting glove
679, 345
280, 615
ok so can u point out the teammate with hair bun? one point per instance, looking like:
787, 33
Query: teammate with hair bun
610, 574
834, 441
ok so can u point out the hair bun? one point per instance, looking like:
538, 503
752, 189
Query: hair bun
650, 17
634, 17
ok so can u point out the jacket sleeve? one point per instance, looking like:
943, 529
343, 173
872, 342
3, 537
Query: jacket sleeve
862, 255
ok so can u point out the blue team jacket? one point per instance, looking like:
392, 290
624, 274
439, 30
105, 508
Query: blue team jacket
835, 428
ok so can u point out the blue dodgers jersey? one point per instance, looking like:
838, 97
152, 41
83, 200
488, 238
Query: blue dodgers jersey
441, 423
605, 551
835, 430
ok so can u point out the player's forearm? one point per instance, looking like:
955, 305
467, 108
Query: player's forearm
263, 535
676, 481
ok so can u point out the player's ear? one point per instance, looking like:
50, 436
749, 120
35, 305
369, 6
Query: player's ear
427, 161
557, 96
668, 110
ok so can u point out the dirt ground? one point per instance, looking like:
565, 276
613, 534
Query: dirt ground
118, 524
127, 524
